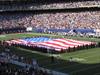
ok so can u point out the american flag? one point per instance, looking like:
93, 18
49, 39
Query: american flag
56, 44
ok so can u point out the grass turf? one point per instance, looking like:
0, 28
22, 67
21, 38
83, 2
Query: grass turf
23, 35
88, 65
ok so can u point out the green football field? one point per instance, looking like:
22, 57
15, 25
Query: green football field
81, 62
23, 35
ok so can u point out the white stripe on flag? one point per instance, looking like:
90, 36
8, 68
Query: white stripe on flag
67, 42
50, 46
82, 42
60, 44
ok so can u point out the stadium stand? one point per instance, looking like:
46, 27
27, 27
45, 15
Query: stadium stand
12, 64
46, 17
54, 22
46, 4
86, 21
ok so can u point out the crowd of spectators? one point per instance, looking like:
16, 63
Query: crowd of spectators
67, 20
8, 68
47, 5
64, 20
